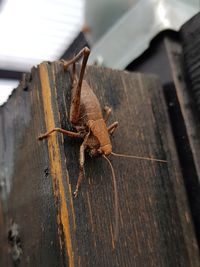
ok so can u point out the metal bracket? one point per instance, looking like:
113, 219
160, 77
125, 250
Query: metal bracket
131, 35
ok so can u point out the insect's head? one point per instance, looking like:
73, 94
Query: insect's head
105, 150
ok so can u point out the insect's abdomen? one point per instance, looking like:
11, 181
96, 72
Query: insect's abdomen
89, 107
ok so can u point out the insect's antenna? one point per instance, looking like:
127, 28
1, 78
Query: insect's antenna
116, 231
137, 157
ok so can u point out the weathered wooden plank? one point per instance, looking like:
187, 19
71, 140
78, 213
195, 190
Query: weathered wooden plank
166, 50
39, 177
27, 193
187, 135
188, 56
190, 37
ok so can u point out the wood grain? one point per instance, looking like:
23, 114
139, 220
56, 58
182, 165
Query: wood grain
190, 33
38, 178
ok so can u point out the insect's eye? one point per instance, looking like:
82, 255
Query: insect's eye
100, 151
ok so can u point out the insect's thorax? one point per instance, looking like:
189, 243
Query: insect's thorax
99, 130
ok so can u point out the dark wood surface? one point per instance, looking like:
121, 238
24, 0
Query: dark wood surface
190, 38
169, 57
186, 125
190, 94
43, 225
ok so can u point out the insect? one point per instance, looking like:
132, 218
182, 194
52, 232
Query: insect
86, 117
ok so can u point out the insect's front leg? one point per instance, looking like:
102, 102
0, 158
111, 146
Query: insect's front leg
112, 127
68, 133
81, 169
81, 164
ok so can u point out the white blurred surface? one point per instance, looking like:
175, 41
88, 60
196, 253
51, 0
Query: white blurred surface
37, 30
33, 31
6, 88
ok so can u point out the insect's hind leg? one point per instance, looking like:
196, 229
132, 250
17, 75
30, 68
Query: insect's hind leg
76, 89
83, 53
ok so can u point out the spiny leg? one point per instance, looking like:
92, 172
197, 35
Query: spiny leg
76, 90
112, 127
68, 133
85, 51
108, 111
81, 164
81, 169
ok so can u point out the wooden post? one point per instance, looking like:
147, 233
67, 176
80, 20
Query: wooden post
43, 225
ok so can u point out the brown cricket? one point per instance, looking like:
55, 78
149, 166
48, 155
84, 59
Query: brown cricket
87, 119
